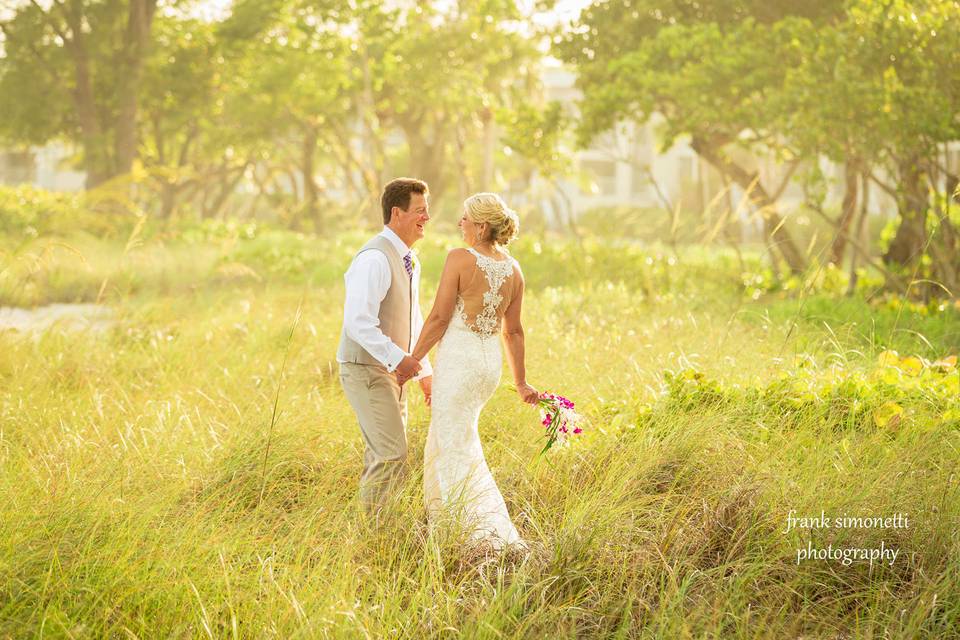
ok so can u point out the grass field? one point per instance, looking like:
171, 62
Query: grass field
151, 491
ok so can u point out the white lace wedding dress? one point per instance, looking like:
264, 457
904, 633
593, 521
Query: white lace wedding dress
457, 481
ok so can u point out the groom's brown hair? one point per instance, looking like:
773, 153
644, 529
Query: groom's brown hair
397, 194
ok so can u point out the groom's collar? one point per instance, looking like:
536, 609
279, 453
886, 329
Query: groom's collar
392, 236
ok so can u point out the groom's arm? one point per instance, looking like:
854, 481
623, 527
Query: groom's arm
367, 283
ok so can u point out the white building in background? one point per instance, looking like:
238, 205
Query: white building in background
621, 168
624, 167
46, 167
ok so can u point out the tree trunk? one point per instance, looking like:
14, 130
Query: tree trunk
859, 233
945, 248
463, 173
168, 199
100, 165
228, 185
96, 155
945, 255
773, 225
489, 144
373, 143
913, 205
848, 211
427, 148
291, 173
310, 195
369, 189
131, 59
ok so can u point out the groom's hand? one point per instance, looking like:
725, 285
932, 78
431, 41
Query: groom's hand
407, 368
426, 384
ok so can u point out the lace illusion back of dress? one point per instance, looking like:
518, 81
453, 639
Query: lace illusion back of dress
457, 481
482, 303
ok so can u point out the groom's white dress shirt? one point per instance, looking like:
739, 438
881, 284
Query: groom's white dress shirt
367, 282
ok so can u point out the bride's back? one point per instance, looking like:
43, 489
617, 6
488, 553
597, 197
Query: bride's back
486, 292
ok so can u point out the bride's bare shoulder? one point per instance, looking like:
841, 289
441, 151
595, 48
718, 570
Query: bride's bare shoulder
459, 254
459, 258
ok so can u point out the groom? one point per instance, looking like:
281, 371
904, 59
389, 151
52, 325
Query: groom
381, 324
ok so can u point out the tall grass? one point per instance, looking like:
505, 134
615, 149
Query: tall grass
151, 489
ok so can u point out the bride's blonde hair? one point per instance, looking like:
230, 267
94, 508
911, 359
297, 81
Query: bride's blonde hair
490, 209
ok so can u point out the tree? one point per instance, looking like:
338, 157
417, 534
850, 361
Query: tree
297, 92
708, 68
183, 115
84, 53
445, 104
879, 90
865, 83
539, 137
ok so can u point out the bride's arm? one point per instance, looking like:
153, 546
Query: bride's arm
513, 338
443, 304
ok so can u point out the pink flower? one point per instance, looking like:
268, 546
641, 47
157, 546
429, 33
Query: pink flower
559, 419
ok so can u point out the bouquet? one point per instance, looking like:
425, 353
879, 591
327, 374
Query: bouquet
559, 419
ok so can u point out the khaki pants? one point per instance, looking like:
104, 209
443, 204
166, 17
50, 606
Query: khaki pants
381, 408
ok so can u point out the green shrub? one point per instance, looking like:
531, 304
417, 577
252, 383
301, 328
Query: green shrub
30, 212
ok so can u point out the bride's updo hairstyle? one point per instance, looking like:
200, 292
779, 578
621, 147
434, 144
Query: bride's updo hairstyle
490, 209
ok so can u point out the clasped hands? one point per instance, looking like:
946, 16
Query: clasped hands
407, 369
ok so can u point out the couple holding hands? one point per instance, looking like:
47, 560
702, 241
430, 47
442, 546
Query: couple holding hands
385, 341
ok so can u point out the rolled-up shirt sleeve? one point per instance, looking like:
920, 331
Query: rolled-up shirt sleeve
367, 282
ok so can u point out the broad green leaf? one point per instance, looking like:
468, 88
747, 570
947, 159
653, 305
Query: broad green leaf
888, 414
888, 359
911, 365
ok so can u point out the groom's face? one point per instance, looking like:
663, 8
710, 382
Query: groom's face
412, 222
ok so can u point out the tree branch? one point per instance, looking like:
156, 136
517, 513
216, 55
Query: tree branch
901, 285
44, 63
935, 163
890, 190
50, 22
185, 149
786, 181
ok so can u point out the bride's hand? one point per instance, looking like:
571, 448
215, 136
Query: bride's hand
527, 393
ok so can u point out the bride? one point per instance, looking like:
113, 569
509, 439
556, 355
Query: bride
479, 297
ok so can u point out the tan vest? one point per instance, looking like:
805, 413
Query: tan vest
396, 309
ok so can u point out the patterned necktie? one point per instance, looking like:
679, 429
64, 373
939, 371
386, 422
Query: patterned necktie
408, 264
